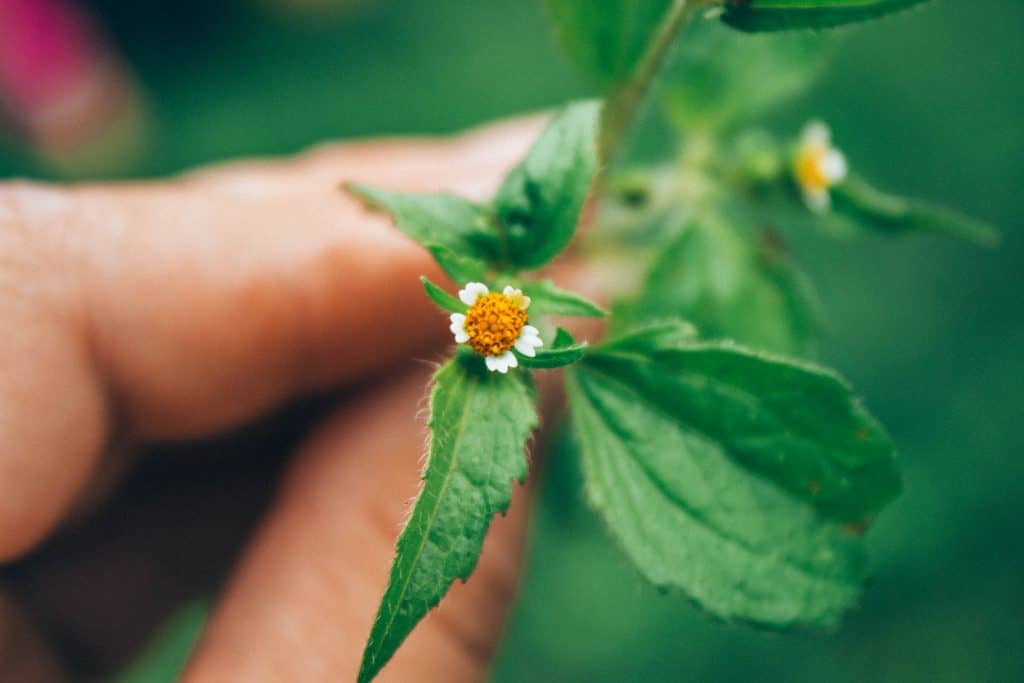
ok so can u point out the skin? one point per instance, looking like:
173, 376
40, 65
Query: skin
178, 309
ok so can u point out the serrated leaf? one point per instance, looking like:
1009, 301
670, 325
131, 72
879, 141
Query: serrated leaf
564, 351
480, 422
540, 200
718, 78
550, 299
459, 267
731, 285
436, 220
791, 423
781, 15
874, 210
444, 300
693, 519
606, 39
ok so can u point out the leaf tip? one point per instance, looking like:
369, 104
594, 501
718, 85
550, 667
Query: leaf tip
353, 188
364, 194
441, 298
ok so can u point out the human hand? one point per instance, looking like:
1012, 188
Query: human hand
176, 310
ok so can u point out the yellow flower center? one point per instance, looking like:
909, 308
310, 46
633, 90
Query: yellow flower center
493, 324
810, 168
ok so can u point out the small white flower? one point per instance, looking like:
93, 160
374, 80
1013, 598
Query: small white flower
495, 324
818, 166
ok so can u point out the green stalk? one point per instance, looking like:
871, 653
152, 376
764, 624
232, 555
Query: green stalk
623, 104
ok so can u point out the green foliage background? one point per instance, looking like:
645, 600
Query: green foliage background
928, 103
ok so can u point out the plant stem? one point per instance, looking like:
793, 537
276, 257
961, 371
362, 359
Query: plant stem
623, 105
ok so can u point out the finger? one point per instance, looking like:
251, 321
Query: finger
24, 655
54, 414
304, 598
209, 298
174, 309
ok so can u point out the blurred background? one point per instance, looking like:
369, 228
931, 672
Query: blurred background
929, 103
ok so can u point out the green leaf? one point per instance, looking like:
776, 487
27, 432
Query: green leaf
655, 336
549, 299
732, 285
540, 200
874, 210
780, 15
480, 422
563, 339
460, 268
436, 220
564, 351
718, 78
693, 519
444, 300
606, 39
792, 423
165, 657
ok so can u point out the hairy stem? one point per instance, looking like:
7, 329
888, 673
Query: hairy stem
624, 103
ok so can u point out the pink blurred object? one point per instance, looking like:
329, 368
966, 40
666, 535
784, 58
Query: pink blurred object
46, 49
62, 85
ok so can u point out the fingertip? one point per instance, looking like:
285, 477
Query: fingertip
53, 426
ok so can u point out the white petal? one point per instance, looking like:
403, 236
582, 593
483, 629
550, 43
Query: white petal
458, 328
817, 200
531, 334
517, 296
531, 340
471, 292
501, 363
525, 347
833, 166
816, 133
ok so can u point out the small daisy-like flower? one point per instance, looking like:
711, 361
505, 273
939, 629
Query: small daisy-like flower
495, 324
818, 166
